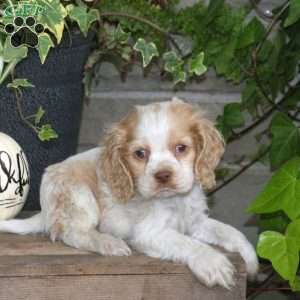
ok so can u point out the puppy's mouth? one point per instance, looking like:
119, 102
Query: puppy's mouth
165, 192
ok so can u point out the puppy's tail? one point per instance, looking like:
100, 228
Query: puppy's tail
33, 224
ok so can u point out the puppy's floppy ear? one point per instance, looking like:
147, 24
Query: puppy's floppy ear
210, 148
113, 162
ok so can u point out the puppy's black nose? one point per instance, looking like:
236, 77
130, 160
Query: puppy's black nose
163, 176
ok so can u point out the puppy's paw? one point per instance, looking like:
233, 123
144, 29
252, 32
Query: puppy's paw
109, 245
213, 268
249, 255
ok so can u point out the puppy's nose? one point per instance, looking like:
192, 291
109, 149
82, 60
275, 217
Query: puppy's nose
163, 176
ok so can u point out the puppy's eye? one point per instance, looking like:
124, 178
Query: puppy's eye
141, 153
180, 148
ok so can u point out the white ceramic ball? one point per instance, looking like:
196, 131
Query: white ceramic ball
14, 177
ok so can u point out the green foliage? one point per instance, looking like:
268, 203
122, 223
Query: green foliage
294, 13
232, 118
20, 83
147, 50
285, 140
47, 133
83, 17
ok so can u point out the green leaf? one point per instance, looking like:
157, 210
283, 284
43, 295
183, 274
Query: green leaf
251, 33
45, 43
179, 76
38, 116
233, 116
17, 83
277, 221
293, 231
285, 140
11, 53
83, 17
196, 65
147, 50
120, 35
295, 284
214, 7
172, 62
47, 133
54, 17
294, 13
282, 192
281, 251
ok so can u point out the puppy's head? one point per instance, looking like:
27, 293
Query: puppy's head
161, 150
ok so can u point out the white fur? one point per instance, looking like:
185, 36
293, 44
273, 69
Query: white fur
172, 225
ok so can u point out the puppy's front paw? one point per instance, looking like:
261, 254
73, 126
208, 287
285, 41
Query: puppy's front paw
109, 245
213, 268
249, 255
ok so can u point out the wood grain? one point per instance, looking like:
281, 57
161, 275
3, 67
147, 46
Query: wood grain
32, 267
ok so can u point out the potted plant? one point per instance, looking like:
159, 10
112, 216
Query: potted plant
47, 49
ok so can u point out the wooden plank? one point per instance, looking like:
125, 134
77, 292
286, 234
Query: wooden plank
32, 267
142, 287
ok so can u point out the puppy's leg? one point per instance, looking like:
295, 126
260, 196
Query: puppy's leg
209, 265
72, 215
94, 241
220, 234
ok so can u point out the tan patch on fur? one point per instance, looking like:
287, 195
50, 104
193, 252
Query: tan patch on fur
208, 143
114, 164
75, 173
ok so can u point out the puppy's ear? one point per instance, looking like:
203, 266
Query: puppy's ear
113, 159
209, 148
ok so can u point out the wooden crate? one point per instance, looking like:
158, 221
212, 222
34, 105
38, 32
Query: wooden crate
32, 267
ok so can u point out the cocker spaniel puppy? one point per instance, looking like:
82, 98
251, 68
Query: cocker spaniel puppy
144, 188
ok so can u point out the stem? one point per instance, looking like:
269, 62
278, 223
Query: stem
260, 12
238, 173
272, 25
145, 21
20, 111
265, 116
272, 103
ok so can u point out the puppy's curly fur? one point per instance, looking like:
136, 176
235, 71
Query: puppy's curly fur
144, 188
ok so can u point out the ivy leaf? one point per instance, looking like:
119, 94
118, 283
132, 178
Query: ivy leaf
232, 118
83, 17
17, 83
147, 50
213, 9
293, 231
120, 35
277, 221
45, 43
179, 76
251, 33
10, 53
283, 252
295, 284
54, 17
172, 62
282, 192
285, 140
196, 65
294, 13
38, 116
47, 133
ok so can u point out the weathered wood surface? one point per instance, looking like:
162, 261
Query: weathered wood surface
32, 267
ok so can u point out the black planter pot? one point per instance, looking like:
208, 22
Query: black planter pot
59, 90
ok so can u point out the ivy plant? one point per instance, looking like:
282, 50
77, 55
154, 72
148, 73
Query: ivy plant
123, 44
